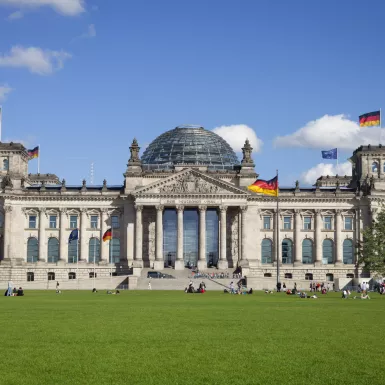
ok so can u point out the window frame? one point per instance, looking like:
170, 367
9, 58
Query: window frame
94, 224
287, 223
113, 224
53, 222
351, 223
265, 219
305, 223
326, 223
71, 221
31, 221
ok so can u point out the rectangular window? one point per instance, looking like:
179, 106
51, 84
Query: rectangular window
94, 221
287, 223
348, 223
307, 223
73, 221
266, 223
52, 221
327, 223
32, 222
115, 222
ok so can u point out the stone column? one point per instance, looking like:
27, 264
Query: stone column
179, 263
159, 261
297, 238
276, 231
63, 241
42, 224
104, 246
7, 231
338, 234
318, 237
223, 263
202, 262
243, 235
139, 236
83, 235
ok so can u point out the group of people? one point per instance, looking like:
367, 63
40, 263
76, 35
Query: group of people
13, 291
218, 275
190, 288
319, 287
381, 288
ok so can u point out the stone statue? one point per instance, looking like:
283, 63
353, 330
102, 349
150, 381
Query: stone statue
247, 150
134, 150
63, 183
22, 182
190, 184
371, 183
6, 182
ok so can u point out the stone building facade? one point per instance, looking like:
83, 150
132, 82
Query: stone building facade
184, 203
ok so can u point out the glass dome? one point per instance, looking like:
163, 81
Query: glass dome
189, 145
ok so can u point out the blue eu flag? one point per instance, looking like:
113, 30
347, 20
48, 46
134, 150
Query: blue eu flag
73, 236
331, 154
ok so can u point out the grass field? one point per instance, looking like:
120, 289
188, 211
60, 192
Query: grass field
161, 337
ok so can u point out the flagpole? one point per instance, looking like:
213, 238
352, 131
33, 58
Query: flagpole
337, 161
380, 126
277, 230
112, 237
77, 261
38, 159
1, 119
94, 258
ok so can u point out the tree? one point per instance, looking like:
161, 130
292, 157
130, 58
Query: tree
371, 251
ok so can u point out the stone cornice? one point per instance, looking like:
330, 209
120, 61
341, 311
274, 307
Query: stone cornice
60, 198
191, 196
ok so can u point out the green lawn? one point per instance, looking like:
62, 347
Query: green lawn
164, 337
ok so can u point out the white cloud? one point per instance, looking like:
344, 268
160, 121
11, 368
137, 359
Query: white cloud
236, 134
310, 176
15, 15
4, 90
64, 7
331, 131
35, 59
91, 32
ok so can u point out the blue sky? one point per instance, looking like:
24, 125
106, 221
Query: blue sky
83, 78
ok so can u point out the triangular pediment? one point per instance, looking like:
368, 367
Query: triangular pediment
190, 181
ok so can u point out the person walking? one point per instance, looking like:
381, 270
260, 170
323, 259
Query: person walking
10, 287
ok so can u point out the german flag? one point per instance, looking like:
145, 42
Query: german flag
107, 235
370, 119
268, 187
34, 153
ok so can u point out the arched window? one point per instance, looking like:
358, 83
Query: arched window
267, 275
72, 275
307, 251
5, 164
375, 167
30, 276
94, 250
348, 251
287, 251
32, 250
53, 250
309, 276
266, 251
327, 251
73, 252
51, 276
288, 276
115, 250
329, 277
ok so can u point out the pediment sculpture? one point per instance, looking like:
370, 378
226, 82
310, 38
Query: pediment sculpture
190, 184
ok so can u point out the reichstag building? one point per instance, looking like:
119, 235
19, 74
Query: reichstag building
184, 203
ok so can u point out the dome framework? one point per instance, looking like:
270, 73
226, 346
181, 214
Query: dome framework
191, 145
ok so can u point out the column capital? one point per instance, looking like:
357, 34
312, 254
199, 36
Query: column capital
338, 212
159, 208
223, 208
297, 211
83, 210
8, 209
317, 212
139, 207
179, 208
202, 208
104, 210
63, 210
243, 208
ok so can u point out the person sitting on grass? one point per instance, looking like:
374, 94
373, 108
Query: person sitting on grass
20, 292
14, 292
363, 296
